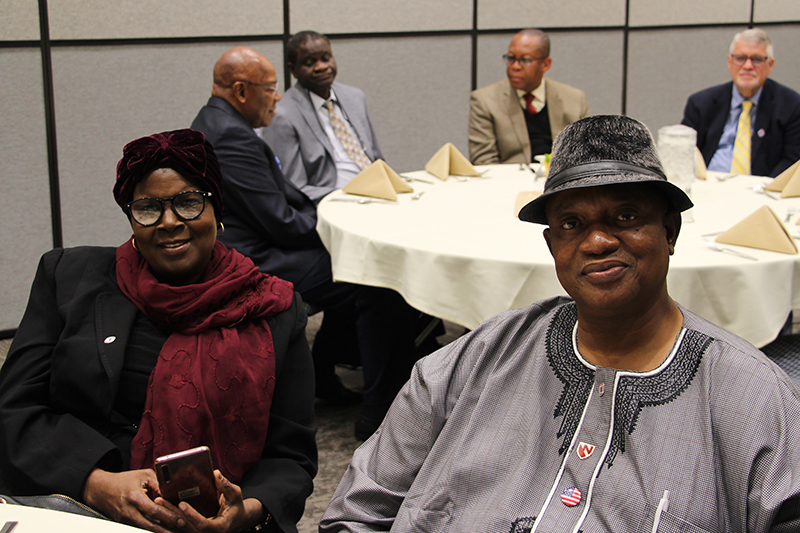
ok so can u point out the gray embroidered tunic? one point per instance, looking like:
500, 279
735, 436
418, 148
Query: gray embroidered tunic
509, 429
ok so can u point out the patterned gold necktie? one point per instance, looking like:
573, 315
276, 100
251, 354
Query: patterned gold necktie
349, 144
741, 147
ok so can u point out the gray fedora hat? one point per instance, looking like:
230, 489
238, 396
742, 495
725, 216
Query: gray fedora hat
604, 150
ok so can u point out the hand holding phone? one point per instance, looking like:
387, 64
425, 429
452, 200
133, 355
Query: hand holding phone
189, 476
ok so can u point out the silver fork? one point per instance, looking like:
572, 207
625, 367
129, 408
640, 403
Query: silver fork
717, 248
409, 178
790, 211
761, 189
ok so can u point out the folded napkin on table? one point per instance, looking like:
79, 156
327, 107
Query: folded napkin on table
763, 230
787, 182
378, 181
700, 170
448, 160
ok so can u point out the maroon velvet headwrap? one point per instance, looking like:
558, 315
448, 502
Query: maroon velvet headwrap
185, 151
215, 375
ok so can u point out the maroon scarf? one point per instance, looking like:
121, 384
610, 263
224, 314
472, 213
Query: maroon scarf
215, 375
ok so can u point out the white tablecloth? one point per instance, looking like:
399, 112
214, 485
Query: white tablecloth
460, 253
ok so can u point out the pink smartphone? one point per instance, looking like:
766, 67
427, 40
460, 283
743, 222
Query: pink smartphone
188, 476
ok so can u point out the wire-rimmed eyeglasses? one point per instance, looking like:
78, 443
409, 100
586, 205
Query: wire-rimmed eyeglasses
739, 60
187, 205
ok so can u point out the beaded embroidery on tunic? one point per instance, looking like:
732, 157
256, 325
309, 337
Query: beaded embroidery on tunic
633, 393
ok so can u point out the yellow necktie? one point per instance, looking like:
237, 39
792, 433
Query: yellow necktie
741, 147
349, 144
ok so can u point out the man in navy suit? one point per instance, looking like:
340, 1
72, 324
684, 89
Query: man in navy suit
270, 220
774, 111
303, 135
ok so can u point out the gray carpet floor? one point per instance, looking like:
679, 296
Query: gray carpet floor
335, 442
336, 445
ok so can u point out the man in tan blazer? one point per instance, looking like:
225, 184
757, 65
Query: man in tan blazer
514, 119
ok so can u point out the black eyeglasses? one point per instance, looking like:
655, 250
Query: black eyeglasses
187, 205
740, 60
524, 61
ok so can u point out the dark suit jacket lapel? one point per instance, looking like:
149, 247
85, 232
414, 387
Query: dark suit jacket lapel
721, 105
114, 320
285, 185
766, 105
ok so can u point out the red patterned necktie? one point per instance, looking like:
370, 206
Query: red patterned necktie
529, 103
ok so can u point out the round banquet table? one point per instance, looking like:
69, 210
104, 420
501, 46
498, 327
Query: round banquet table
459, 253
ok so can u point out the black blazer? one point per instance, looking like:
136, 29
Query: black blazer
58, 384
777, 116
266, 218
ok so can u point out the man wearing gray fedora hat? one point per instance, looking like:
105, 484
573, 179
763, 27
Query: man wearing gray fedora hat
615, 409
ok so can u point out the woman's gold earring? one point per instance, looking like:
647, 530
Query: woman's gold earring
133, 241
220, 229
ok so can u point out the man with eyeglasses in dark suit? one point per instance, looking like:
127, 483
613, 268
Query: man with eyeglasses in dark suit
750, 125
516, 119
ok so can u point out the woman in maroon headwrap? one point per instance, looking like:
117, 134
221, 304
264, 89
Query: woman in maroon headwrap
169, 342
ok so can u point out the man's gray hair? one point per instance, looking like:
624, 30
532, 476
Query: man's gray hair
753, 36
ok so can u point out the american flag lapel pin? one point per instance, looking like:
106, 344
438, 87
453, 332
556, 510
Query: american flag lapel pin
571, 497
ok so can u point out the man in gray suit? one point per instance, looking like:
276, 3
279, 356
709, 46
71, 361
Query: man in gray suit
517, 118
322, 132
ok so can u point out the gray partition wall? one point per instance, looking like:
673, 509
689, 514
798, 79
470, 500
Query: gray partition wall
83, 77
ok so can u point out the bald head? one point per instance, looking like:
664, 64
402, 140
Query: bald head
541, 38
237, 64
247, 80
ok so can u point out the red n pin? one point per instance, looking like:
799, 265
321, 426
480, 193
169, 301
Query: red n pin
585, 450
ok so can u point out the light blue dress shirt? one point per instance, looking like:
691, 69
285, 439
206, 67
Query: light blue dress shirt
723, 157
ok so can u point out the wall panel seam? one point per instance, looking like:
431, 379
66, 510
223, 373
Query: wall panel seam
50, 126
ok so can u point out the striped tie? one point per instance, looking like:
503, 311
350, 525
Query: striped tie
741, 148
349, 144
